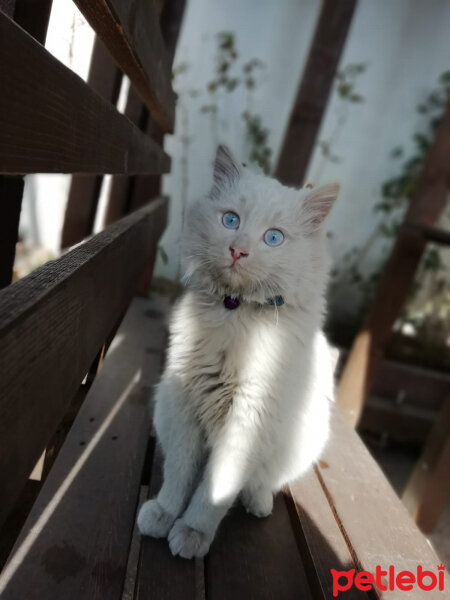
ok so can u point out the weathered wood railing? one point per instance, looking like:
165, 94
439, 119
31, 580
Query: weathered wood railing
54, 322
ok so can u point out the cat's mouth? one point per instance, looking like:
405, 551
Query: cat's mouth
235, 276
236, 267
238, 280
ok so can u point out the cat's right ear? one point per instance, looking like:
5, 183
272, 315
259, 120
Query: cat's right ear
227, 170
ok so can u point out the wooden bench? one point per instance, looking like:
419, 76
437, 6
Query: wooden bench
79, 539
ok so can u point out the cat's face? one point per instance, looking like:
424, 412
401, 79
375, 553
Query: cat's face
252, 237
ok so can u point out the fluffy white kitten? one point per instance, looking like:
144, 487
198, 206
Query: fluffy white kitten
243, 404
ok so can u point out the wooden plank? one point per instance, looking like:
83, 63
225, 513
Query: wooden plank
121, 186
161, 575
7, 6
171, 19
76, 540
433, 234
421, 387
105, 78
11, 189
33, 16
146, 187
256, 559
315, 86
426, 206
134, 551
321, 542
130, 193
52, 122
436, 493
81, 209
52, 324
159, 6
428, 489
414, 385
403, 422
134, 39
378, 528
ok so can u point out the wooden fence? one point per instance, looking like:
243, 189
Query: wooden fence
54, 322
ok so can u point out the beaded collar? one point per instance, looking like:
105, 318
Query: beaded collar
233, 303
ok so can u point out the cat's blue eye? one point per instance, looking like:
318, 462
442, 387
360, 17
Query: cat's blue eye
231, 220
273, 237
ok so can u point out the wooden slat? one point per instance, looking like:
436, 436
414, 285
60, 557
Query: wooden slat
52, 122
33, 16
315, 86
433, 234
150, 186
76, 540
122, 186
401, 422
171, 20
130, 193
161, 575
159, 4
425, 207
11, 189
256, 559
428, 489
418, 386
134, 39
378, 528
105, 78
52, 324
7, 6
320, 540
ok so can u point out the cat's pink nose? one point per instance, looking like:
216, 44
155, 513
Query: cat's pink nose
236, 253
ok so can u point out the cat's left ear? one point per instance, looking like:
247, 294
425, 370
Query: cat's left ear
227, 170
316, 206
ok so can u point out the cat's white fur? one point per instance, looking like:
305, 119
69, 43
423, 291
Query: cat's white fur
243, 405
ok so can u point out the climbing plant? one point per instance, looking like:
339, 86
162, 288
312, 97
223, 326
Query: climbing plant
429, 299
347, 94
229, 75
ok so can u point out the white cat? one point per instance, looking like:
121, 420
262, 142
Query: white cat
243, 405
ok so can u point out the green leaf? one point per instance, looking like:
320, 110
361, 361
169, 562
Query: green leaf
163, 255
397, 152
357, 98
232, 84
180, 68
250, 83
343, 90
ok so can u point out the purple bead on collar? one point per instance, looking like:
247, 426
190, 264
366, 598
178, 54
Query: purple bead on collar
231, 303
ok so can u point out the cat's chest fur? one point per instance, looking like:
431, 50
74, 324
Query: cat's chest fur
215, 352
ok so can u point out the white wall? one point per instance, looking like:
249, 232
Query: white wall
405, 44
279, 34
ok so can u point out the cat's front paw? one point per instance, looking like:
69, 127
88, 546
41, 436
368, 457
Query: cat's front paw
258, 503
153, 520
187, 541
